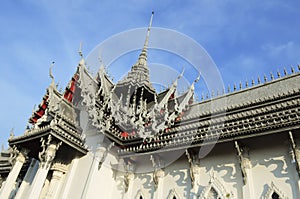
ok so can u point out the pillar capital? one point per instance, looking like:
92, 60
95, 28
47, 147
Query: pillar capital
158, 165
128, 177
295, 152
59, 169
244, 160
48, 152
129, 168
102, 153
22, 155
59, 166
18, 155
194, 160
193, 156
17, 159
157, 175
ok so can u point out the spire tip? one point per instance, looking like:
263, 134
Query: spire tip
80, 50
50, 71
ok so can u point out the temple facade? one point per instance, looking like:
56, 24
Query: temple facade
100, 139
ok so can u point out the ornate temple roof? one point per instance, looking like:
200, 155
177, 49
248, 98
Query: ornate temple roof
139, 120
55, 116
262, 109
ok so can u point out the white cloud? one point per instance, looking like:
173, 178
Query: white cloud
284, 49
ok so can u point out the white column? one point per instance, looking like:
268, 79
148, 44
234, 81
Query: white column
69, 179
38, 182
13, 174
27, 179
54, 184
45, 187
159, 180
58, 173
297, 158
298, 186
248, 188
195, 175
245, 166
46, 157
90, 176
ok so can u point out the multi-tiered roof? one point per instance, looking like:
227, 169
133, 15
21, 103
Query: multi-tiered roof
140, 121
131, 111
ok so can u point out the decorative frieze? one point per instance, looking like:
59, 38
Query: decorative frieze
250, 121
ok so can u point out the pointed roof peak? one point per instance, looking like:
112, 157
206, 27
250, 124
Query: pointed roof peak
81, 62
143, 55
139, 74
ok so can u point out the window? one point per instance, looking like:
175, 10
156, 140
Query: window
275, 196
212, 194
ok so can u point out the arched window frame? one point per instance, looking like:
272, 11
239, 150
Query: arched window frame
271, 189
218, 187
139, 194
172, 194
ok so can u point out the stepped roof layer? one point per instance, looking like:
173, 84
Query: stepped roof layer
5, 165
55, 116
262, 109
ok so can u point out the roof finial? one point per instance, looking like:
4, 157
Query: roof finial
284, 71
50, 72
292, 69
258, 80
143, 54
81, 62
80, 50
198, 78
181, 74
252, 82
11, 134
99, 58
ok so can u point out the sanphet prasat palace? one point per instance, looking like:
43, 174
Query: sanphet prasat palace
100, 139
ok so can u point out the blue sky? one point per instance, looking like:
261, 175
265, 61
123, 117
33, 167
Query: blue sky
244, 38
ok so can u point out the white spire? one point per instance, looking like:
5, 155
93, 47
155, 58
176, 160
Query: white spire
143, 55
139, 74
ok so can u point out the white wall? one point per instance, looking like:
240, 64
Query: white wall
268, 154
